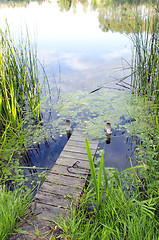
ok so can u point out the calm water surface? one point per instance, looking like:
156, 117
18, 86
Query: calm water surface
85, 44
87, 55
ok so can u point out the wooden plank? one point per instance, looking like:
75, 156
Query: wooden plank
48, 212
55, 200
78, 156
60, 189
70, 171
65, 180
79, 134
66, 161
74, 143
77, 149
28, 227
78, 137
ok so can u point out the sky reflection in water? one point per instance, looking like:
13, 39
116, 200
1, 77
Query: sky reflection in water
87, 56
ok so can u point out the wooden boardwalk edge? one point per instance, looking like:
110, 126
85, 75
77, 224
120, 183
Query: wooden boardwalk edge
60, 189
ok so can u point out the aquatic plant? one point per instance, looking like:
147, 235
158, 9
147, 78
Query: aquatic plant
145, 82
145, 76
102, 177
97, 181
19, 81
19, 91
90, 112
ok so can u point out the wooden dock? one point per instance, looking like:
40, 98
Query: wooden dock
63, 184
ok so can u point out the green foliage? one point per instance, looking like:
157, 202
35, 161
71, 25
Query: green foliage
145, 76
19, 81
97, 181
102, 177
19, 105
12, 207
145, 81
148, 154
119, 217
19, 93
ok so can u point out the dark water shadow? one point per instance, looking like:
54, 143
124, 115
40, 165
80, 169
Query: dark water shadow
119, 148
45, 154
39, 159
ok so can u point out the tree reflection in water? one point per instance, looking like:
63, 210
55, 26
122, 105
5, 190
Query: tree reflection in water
115, 16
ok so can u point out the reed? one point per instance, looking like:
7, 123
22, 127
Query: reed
19, 82
145, 82
145, 63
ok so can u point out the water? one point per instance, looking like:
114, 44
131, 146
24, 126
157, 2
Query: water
119, 151
87, 55
82, 45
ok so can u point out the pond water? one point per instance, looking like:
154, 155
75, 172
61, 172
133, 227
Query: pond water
82, 44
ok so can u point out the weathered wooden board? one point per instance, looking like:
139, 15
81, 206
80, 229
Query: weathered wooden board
77, 149
65, 180
55, 200
28, 227
49, 213
60, 189
66, 161
74, 143
80, 138
63, 184
78, 156
70, 171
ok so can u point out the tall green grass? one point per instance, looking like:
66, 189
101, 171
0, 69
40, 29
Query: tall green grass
145, 82
97, 180
19, 89
12, 207
19, 83
118, 219
145, 64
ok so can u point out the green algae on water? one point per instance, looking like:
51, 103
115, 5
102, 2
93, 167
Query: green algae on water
90, 112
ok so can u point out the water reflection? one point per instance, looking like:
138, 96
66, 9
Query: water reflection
17, 3
43, 155
88, 55
117, 16
119, 150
